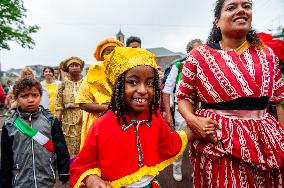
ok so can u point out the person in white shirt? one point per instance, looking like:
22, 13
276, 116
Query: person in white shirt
177, 122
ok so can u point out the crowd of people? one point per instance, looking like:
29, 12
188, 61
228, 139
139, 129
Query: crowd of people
126, 120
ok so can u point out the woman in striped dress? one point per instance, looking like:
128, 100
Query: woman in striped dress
235, 76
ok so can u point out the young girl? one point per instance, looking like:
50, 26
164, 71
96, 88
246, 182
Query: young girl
130, 144
51, 86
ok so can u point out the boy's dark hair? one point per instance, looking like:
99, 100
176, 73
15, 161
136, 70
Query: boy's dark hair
133, 39
50, 68
117, 104
215, 34
26, 83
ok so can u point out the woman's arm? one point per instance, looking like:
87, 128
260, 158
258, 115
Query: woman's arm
198, 125
93, 107
59, 102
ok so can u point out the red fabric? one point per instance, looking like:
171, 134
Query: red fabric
155, 184
114, 151
249, 153
252, 141
218, 76
276, 45
232, 172
2, 94
49, 146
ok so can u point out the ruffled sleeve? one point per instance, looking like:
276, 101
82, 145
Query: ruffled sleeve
87, 162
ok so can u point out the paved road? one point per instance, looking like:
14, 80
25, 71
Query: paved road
167, 180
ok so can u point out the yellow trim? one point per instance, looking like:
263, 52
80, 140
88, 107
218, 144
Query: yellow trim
152, 171
243, 47
94, 171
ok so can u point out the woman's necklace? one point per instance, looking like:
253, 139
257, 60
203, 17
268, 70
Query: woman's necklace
239, 50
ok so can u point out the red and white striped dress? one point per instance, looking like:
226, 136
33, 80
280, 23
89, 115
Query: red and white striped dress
249, 152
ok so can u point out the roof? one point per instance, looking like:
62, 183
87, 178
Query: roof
161, 51
119, 32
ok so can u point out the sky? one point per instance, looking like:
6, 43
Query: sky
74, 27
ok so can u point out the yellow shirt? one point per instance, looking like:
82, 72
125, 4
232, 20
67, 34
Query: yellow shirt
52, 94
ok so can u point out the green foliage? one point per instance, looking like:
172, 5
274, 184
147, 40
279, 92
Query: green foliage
12, 26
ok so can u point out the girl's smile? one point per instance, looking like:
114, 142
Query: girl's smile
139, 89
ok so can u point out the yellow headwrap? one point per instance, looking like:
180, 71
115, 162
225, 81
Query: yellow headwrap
103, 76
65, 63
103, 45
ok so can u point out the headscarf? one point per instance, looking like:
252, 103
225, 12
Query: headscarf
67, 62
121, 59
103, 45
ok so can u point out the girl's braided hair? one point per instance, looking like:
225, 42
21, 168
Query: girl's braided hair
118, 105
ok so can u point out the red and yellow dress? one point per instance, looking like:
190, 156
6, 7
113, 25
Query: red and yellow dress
250, 147
111, 150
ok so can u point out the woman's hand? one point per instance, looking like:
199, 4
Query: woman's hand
94, 181
93, 107
203, 128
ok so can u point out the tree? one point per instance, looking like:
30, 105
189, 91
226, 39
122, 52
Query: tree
12, 26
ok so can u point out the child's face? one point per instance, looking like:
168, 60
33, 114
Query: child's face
29, 100
139, 89
29, 74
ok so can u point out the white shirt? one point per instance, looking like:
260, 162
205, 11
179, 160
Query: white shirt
145, 180
171, 82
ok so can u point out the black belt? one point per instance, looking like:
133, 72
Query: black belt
242, 103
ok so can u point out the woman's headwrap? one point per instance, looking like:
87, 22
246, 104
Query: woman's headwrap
103, 45
65, 63
104, 75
